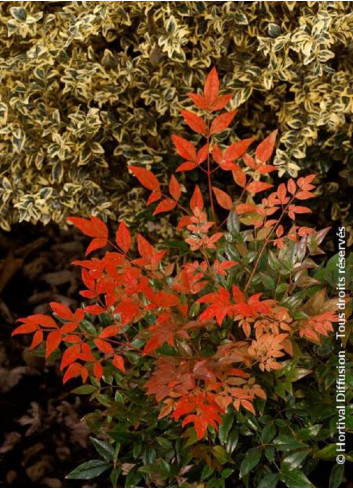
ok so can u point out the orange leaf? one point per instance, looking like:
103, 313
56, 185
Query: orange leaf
304, 194
187, 166
202, 154
221, 122
244, 208
145, 177
37, 339
144, 247
155, 195
237, 149
291, 186
53, 341
298, 209
73, 371
103, 346
62, 311
165, 205
194, 121
70, 355
239, 177
97, 370
109, 331
184, 148
196, 199
174, 188
95, 244
211, 88
118, 362
25, 328
265, 148
123, 237
93, 227
255, 187
223, 198
222, 101
198, 100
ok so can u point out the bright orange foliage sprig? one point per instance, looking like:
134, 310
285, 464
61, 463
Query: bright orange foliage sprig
167, 313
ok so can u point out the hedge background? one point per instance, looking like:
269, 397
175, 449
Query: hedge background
88, 86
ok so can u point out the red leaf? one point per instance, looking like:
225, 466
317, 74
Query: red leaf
301, 210
155, 195
174, 188
41, 319
118, 362
123, 237
211, 88
73, 371
187, 166
165, 205
62, 311
265, 148
291, 186
103, 346
196, 199
109, 331
37, 339
145, 177
221, 122
25, 328
223, 198
264, 169
198, 100
144, 247
95, 309
95, 244
184, 221
304, 194
245, 208
93, 227
53, 341
97, 370
202, 154
249, 161
255, 187
70, 355
222, 101
237, 149
194, 121
239, 177
184, 148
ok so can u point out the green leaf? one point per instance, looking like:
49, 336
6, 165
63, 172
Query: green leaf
336, 476
103, 448
84, 389
227, 423
251, 459
294, 460
327, 453
294, 478
206, 472
114, 476
287, 442
89, 470
268, 433
270, 480
233, 223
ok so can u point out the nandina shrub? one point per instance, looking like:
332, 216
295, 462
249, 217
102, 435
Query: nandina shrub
189, 355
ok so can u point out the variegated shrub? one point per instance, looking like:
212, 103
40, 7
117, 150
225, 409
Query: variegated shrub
84, 86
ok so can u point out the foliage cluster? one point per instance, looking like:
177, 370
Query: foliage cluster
191, 356
86, 87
